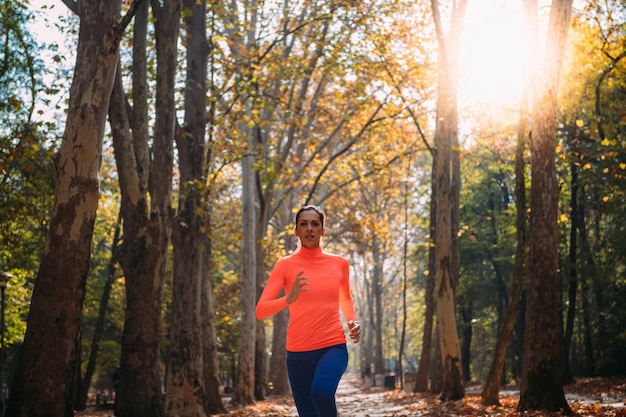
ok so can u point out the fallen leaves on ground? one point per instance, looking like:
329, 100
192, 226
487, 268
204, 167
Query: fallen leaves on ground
430, 405
588, 397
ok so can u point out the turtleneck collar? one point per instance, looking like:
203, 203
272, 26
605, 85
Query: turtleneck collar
309, 253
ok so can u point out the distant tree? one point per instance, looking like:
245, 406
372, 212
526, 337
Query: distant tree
84, 381
277, 374
244, 387
490, 394
27, 174
47, 360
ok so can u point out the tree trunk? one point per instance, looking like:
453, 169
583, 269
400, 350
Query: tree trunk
278, 378
445, 136
143, 266
405, 254
208, 325
48, 356
541, 387
436, 383
277, 374
377, 292
244, 385
260, 349
573, 275
209, 341
589, 367
185, 383
491, 390
81, 400
147, 214
466, 344
185, 393
541, 373
590, 271
421, 379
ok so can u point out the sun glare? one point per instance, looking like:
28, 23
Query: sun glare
492, 56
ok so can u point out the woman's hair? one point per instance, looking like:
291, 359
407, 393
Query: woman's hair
316, 209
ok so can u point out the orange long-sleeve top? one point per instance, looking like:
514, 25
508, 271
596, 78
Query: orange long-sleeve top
314, 321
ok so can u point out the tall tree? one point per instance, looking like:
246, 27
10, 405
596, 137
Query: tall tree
146, 186
242, 29
445, 136
541, 387
48, 356
187, 394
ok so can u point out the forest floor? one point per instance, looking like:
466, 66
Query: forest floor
604, 397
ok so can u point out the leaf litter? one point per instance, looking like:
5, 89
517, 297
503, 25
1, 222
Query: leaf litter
592, 397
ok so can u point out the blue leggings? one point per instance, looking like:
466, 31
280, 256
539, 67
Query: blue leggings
314, 377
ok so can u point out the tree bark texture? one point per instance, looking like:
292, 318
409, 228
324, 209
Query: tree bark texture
541, 373
185, 383
448, 337
147, 213
540, 387
185, 393
48, 356
142, 258
436, 381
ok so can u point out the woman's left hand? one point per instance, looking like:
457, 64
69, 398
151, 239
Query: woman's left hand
355, 330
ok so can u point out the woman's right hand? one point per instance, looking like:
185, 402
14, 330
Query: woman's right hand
355, 330
300, 285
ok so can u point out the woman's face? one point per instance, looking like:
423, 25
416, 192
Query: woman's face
309, 229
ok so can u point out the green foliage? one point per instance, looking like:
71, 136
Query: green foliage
593, 142
20, 66
27, 175
486, 240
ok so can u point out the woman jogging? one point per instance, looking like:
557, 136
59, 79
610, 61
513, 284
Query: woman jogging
317, 286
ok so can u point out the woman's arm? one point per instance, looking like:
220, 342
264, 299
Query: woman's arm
345, 299
268, 303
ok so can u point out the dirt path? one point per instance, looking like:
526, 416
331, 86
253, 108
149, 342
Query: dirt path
352, 401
